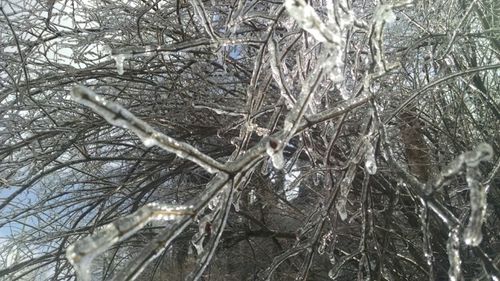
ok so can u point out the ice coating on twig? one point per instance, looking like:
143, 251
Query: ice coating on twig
117, 115
345, 188
478, 203
292, 119
472, 234
453, 249
483, 152
330, 34
82, 252
346, 183
276, 73
161, 242
202, 15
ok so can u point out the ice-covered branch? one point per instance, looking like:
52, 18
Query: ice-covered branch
471, 160
82, 252
116, 115
293, 118
277, 73
478, 204
330, 34
161, 242
309, 20
201, 13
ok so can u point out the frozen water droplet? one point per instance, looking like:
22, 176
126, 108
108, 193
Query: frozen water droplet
148, 142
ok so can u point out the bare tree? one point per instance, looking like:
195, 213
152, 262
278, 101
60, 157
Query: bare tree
249, 140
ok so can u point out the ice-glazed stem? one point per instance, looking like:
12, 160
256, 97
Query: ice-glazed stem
453, 249
478, 203
81, 253
161, 242
471, 160
309, 20
472, 233
116, 115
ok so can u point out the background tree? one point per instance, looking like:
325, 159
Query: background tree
249, 140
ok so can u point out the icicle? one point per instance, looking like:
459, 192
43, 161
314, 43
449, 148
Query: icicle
292, 119
370, 161
483, 152
199, 238
453, 249
82, 252
426, 237
478, 204
278, 160
119, 59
